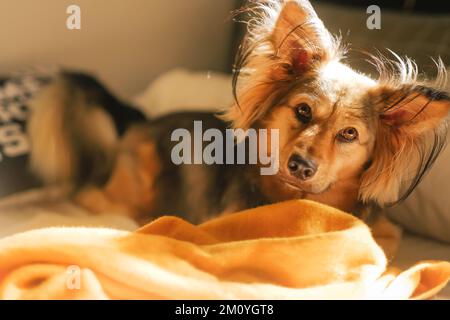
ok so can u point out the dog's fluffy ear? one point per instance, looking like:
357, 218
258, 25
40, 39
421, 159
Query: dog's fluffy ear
285, 42
412, 130
300, 37
414, 110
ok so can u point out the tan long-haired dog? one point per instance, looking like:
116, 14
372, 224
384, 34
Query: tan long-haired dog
345, 139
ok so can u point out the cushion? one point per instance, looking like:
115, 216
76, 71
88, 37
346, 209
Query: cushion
427, 210
15, 93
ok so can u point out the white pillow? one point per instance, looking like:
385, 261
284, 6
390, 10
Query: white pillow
427, 209
183, 90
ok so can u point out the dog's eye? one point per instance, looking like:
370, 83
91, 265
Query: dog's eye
303, 112
348, 135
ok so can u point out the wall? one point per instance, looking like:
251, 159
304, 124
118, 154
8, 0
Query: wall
126, 43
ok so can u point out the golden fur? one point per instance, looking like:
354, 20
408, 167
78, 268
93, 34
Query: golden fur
269, 85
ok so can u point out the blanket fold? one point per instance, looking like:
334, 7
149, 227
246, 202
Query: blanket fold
292, 250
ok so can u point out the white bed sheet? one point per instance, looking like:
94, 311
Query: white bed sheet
44, 208
416, 248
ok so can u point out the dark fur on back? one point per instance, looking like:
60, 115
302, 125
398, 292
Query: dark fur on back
194, 191
75, 124
197, 191
122, 113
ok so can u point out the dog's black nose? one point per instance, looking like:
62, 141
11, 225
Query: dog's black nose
302, 168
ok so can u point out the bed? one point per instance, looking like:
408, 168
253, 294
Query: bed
48, 207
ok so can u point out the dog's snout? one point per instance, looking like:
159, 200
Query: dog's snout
302, 168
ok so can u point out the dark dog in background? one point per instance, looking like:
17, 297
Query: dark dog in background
346, 140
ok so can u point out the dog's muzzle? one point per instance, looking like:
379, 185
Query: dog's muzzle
302, 168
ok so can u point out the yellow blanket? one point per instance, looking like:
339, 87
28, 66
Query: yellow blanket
292, 250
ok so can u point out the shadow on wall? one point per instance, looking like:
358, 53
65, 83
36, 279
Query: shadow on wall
409, 28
